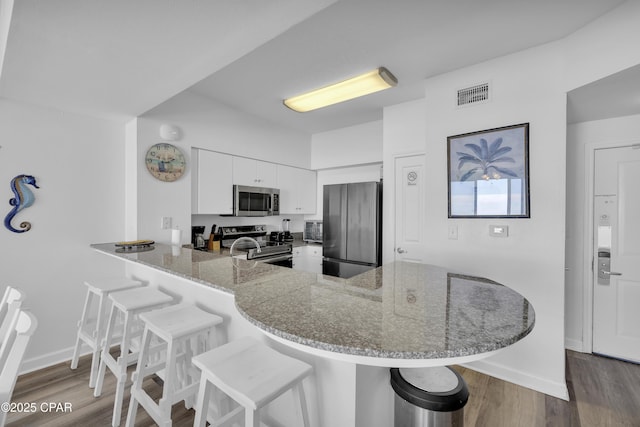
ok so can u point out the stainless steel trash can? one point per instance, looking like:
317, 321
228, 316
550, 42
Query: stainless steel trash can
428, 397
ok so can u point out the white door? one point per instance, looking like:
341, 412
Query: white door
616, 293
410, 208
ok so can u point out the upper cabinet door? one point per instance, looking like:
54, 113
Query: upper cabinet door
266, 174
288, 185
307, 187
297, 190
212, 185
253, 172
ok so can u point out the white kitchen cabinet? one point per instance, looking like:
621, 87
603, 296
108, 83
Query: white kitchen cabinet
254, 173
297, 190
308, 258
211, 182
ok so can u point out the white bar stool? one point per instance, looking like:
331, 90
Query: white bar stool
253, 375
91, 324
130, 304
186, 330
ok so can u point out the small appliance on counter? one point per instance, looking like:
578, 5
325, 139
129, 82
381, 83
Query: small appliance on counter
197, 237
275, 236
286, 232
284, 235
312, 232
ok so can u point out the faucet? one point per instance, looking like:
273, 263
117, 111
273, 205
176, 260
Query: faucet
258, 250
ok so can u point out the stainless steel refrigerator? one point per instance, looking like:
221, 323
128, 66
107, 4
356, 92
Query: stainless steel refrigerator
352, 234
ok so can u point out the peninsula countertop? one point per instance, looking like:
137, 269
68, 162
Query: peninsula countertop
400, 314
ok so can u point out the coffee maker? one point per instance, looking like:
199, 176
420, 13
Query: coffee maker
197, 237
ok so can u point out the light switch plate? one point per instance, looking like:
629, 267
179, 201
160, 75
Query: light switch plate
453, 232
499, 230
165, 223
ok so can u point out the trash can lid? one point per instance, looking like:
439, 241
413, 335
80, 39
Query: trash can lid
437, 389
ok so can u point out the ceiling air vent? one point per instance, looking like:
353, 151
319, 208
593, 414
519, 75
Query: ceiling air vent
473, 94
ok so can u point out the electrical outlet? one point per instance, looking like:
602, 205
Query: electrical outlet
166, 223
453, 232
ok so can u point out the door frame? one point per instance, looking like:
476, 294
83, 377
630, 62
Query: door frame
588, 249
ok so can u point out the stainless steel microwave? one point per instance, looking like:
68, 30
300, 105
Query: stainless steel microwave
255, 201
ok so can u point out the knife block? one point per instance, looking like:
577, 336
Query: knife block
214, 242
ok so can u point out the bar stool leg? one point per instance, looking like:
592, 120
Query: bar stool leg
120, 370
189, 377
204, 394
166, 401
121, 376
81, 324
301, 401
137, 378
95, 359
105, 345
251, 418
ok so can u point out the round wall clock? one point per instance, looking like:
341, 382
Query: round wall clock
165, 162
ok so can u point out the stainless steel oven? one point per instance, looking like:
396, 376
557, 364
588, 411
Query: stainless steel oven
255, 201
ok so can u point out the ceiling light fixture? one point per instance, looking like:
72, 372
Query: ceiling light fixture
357, 86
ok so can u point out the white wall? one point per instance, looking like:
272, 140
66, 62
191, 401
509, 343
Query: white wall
603, 47
79, 165
527, 87
349, 154
213, 126
349, 146
580, 136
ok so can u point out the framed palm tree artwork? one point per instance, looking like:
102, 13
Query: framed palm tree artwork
488, 173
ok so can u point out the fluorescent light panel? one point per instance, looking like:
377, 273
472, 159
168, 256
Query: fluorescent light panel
361, 85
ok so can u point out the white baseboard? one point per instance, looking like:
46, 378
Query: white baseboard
573, 344
520, 378
50, 359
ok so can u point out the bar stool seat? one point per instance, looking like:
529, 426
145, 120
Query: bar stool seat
185, 330
91, 324
253, 375
130, 304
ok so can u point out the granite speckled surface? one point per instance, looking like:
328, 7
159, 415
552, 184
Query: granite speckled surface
399, 311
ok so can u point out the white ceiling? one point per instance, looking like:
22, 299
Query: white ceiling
613, 96
120, 58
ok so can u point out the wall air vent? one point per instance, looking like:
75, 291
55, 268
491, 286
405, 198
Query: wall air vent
473, 94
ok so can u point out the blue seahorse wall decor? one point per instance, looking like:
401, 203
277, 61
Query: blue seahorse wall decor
22, 200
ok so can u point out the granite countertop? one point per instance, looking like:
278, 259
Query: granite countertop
398, 311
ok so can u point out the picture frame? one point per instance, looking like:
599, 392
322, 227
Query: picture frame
488, 173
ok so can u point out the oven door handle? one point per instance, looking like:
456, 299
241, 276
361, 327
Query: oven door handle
274, 258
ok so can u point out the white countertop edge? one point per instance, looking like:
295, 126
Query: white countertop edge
383, 362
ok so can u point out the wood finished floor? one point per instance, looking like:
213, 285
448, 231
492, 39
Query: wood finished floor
604, 393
